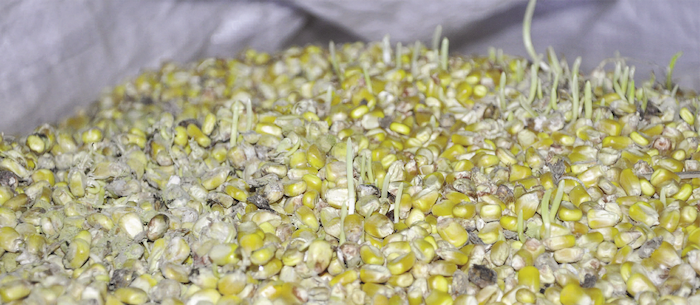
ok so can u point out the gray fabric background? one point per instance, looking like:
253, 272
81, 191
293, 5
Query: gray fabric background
56, 56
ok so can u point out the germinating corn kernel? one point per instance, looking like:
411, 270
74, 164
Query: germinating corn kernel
360, 174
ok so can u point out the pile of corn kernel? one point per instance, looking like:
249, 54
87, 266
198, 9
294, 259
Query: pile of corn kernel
365, 174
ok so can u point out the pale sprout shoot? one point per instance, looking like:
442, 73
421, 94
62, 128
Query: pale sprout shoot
386, 50
397, 203
444, 52
669, 72
437, 34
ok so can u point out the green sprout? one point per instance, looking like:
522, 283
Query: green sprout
234, 124
671, 65
554, 61
334, 60
587, 100
351, 181
519, 70
492, 54
521, 227
575, 90
370, 174
443, 53
397, 203
533, 82
249, 115
502, 91
539, 88
545, 212
363, 169
553, 94
662, 195
617, 80
630, 91
385, 186
527, 107
436, 37
398, 54
329, 98
386, 50
293, 149
557, 201
414, 58
368, 81
624, 78
527, 38
675, 89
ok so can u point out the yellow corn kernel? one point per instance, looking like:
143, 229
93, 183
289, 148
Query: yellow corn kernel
563, 139
579, 195
424, 201
359, 111
679, 155
317, 159
423, 250
669, 219
491, 233
194, 132
638, 283
684, 192
526, 296
666, 255
401, 263
464, 210
527, 204
529, 276
400, 128
509, 223
490, 212
92, 135
639, 138
374, 274
518, 172
559, 242
647, 188
78, 253
644, 213
670, 164
131, 295
268, 129
452, 232
294, 188
688, 215
345, 278
313, 182
568, 212
630, 183
180, 137
439, 297
486, 160
617, 142
438, 282
573, 294
602, 218
662, 175
687, 116
609, 126
209, 123
310, 199
452, 152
